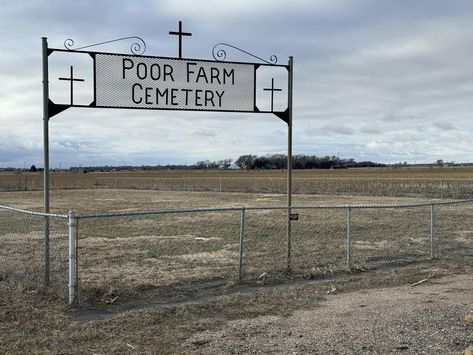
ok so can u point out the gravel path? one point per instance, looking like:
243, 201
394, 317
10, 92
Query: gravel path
425, 319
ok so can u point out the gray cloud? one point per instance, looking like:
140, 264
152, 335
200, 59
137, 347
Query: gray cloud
335, 129
371, 130
445, 125
393, 79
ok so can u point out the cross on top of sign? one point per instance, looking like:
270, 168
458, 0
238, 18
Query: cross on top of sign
180, 34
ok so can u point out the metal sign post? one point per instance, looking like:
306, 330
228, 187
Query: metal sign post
136, 81
289, 164
46, 157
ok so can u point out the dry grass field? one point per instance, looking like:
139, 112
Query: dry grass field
434, 182
165, 283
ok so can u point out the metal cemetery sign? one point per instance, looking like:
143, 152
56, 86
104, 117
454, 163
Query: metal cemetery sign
137, 81
162, 83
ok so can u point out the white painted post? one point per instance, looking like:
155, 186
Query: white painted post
432, 231
242, 236
349, 237
72, 258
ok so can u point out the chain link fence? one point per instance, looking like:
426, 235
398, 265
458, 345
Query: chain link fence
135, 252
24, 258
384, 234
453, 228
132, 252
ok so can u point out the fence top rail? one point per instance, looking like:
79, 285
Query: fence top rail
35, 213
256, 208
146, 213
237, 209
385, 205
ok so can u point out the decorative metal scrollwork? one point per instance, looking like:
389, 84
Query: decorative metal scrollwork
135, 48
220, 54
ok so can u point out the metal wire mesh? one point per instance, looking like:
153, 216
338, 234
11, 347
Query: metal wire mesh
149, 82
265, 244
22, 250
58, 254
133, 253
454, 229
389, 234
318, 239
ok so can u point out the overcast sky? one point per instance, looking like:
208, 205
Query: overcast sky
382, 80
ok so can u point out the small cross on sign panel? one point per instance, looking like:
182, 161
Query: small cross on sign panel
72, 79
272, 89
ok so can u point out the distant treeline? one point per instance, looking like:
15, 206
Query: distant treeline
250, 162
300, 161
279, 161
245, 162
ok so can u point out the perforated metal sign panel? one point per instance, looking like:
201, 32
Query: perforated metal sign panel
166, 83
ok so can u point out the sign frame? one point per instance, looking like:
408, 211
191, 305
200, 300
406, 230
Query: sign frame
55, 109
50, 109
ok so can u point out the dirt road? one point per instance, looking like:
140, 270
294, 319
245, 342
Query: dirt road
424, 319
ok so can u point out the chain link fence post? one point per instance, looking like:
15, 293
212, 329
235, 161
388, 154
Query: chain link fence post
72, 258
289, 241
349, 237
242, 237
47, 257
432, 230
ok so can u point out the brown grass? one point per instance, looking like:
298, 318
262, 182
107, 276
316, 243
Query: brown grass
186, 265
32, 321
128, 254
426, 182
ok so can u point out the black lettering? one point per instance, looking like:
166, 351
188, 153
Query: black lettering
220, 95
168, 72
155, 71
187, 91
215, 75
148, 96
201, 74
133, 91
174, 97
189, 71
144, 74
198, 98
228, 74
165, 94
209, 97
125, 67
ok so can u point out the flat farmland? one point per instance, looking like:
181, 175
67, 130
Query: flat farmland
122, 255
167, 283
435, 182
